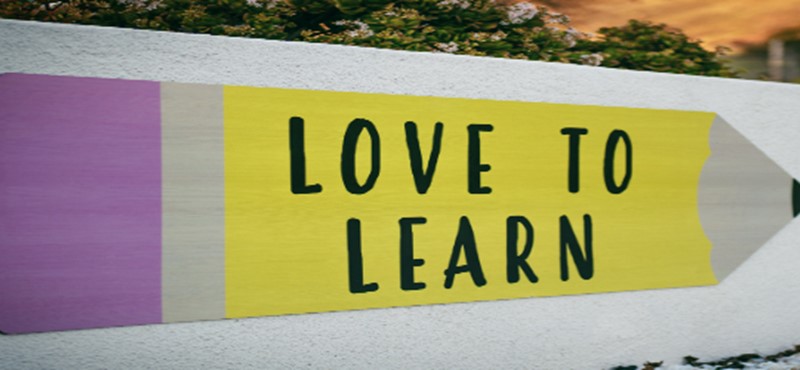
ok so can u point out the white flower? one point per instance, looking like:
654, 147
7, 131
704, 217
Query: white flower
450, 4
558, 18
570, 40
497, 36
450, 47
571, 36
593, 59
267, 4
520, 13
148, 5
358, 29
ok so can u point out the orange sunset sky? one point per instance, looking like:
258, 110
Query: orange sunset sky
732, 23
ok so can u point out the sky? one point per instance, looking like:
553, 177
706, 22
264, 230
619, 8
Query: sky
731, 23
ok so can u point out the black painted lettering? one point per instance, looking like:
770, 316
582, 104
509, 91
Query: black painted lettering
407, 260
355, 261
465, 239
475, 167
514, 261
583, 262
573, 179
608, 163
298, 158
349, 156
423, 177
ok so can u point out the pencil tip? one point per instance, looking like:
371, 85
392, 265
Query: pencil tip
795, 198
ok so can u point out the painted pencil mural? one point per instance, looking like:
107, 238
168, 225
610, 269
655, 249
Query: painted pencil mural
135, 202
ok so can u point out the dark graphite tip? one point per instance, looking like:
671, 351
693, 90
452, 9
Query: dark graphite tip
795, 198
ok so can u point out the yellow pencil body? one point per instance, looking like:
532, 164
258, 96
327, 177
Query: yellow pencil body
289, 252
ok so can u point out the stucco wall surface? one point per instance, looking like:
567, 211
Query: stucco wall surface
754, 309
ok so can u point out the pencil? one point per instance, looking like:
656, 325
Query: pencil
139, 202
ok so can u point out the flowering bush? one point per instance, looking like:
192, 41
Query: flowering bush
645, 46
474, 27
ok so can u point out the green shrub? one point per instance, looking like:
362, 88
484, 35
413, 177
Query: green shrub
472, 27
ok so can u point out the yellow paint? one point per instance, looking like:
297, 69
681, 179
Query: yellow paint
287, 253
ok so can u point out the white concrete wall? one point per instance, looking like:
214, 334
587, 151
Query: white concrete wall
755, 309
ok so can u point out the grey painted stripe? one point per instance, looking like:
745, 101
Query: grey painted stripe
193, 265
743, 200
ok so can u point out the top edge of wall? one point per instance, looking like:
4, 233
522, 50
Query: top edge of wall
356, 51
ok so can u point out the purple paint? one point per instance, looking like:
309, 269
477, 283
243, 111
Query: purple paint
80, 203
